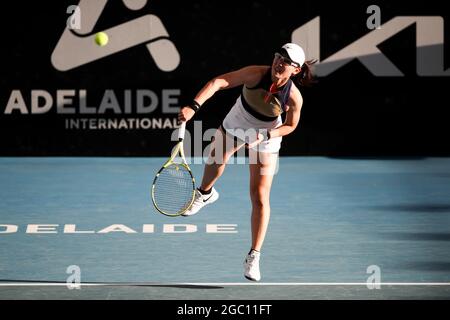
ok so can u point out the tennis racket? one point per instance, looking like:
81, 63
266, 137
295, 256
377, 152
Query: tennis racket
173, 188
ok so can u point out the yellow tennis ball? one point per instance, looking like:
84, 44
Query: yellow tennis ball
101, 39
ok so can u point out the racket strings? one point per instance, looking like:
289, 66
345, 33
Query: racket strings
174, 189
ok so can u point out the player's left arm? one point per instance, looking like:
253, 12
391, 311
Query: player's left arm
294, 107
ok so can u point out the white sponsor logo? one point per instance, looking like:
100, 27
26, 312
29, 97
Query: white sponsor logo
76, 102
118, 228
77, 46
73, 101
429, 44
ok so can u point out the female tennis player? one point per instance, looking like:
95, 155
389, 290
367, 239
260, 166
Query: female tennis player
255, 122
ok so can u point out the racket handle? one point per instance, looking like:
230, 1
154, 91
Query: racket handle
181, 131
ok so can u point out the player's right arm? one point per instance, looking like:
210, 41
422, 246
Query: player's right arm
250, 76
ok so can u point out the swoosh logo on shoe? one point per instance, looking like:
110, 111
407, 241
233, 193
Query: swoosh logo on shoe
208, 198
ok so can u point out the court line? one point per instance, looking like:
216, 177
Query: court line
49, 284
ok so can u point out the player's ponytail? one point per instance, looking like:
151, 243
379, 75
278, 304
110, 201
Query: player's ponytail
305, 78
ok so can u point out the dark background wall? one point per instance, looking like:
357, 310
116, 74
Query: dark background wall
350, 112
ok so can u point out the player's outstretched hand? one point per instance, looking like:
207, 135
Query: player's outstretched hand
185, 114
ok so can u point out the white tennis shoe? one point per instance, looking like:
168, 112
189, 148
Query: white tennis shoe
251, 266
201, 200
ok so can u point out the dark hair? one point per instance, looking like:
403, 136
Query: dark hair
305, 77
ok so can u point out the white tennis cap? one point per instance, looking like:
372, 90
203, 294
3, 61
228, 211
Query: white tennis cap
295, 52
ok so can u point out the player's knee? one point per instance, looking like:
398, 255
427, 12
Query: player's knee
217, 157
259, 198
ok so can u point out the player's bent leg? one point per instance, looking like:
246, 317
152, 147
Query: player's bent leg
222, 148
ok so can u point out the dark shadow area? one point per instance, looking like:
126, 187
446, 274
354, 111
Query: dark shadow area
118, 284
179, 286
381, 157
391, 102
426, 236
428, 266
433, 208
442, 175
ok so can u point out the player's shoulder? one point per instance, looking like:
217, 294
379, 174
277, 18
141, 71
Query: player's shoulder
257, 68
253, 74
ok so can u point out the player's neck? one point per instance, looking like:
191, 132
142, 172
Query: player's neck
280, 82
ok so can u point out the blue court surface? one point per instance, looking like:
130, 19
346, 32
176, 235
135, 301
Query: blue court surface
335, 225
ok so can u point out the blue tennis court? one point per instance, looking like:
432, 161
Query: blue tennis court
331, 220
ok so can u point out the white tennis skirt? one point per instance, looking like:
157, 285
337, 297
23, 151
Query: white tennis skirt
239, 123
